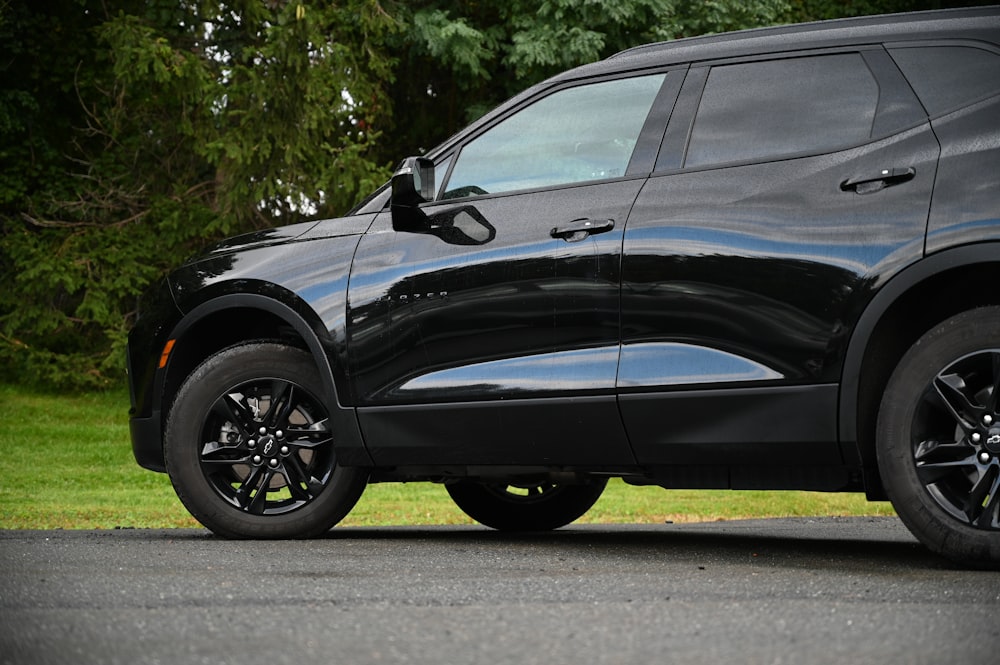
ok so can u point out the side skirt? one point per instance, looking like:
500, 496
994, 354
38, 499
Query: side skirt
571, 431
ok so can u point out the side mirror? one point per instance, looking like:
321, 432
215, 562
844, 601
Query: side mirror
412, 184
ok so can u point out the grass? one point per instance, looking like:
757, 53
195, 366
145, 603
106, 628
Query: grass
66, 463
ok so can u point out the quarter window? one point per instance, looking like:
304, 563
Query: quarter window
763, 110
573, 135
947, 76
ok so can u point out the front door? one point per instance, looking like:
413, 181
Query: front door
490, 335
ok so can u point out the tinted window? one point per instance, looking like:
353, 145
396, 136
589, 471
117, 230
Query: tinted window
573, 135
761, 110
947, 76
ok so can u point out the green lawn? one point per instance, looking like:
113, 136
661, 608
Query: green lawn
66, 462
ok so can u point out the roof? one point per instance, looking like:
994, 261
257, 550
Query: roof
976, 23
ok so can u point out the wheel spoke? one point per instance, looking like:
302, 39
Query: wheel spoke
215, 458
983, 497
990, 517
234, 412
296, 476
950, 389
937, 461
313, 436
259, 501
308, 443
245, 494
298, 493
314, 484
212, 452
282, 401
936, 453
995, 389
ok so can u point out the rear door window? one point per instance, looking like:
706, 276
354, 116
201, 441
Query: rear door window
758, 111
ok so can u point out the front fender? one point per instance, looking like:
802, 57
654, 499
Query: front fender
296, 314
260, 291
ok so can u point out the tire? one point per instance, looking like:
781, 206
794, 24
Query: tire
938, 438
525, 507
249, 449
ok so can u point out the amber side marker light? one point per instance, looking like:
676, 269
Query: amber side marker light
167, 348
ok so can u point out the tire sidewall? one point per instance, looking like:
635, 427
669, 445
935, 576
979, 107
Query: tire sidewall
967, 333
213, 378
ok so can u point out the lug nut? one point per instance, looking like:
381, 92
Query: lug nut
273, 463
976, 437
251, 444
987, 419
984, 457
284, 450
257, 459
263, 430
280, 434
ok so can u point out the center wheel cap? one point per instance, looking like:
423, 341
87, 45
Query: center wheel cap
993, 440
268, 445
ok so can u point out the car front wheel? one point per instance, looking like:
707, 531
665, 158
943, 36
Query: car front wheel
938, 438
250, 449
539, 506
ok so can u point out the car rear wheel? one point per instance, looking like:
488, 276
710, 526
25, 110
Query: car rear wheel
938, 438
540, 506
250, 446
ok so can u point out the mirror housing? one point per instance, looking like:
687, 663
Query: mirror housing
461, 226
412, 184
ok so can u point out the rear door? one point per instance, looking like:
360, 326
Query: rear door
787, 189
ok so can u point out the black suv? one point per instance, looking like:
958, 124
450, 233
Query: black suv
766, 260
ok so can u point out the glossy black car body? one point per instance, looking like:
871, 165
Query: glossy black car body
722, 307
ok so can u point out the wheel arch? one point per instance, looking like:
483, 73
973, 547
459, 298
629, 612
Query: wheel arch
230, 319
905, 308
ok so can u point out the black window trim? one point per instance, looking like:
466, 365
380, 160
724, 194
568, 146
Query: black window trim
650, 141
895, 93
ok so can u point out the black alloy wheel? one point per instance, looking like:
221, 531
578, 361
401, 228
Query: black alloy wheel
939, 438
250, 448
528, 506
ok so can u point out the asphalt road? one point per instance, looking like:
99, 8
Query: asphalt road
800, 591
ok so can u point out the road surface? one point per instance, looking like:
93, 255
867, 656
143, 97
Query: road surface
802, 591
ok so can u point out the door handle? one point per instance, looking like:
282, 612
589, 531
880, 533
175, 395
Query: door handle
877, 182
579, 229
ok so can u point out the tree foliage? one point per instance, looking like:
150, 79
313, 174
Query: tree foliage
457, 60
133, 132
136, 132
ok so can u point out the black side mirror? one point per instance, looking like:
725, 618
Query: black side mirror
412, 184
462, 226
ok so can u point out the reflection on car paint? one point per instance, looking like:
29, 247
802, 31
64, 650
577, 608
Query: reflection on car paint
671, 364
